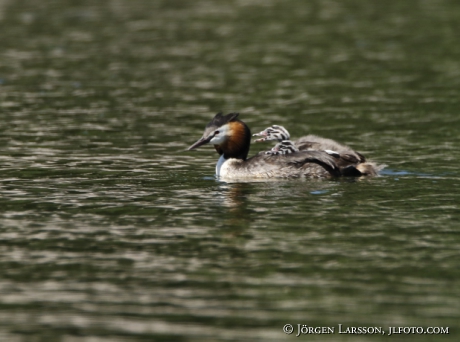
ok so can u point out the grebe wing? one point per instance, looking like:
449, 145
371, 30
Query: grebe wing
297, 162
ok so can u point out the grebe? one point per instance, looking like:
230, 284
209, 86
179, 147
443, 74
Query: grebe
273, 132
280, 134
308, 143
231, 138
283, 147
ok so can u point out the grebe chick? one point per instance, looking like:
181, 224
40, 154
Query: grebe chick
231, 138
312, 142
274, 132
281, 134
283, 147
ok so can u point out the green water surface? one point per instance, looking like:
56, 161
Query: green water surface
110, 231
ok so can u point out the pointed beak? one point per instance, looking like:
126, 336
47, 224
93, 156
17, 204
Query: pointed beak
260, 134
200, 142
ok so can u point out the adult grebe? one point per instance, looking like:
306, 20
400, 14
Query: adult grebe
311, 156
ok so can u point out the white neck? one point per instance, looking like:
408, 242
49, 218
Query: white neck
219, 164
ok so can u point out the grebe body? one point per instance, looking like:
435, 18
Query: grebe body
309, 156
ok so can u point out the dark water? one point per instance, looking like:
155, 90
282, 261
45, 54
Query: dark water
109, 231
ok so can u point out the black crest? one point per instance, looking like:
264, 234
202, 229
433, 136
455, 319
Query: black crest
220, 120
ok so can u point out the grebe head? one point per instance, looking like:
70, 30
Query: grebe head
230, 136
283, 147
274, 132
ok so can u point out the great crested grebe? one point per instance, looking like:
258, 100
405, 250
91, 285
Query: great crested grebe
274, 132
307, 143
283, 147
279, 133
311, 156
